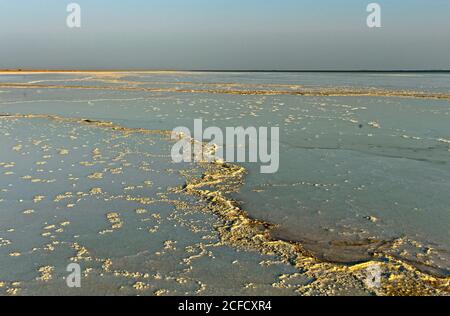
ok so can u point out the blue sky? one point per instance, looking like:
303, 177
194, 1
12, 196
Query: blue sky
225, 34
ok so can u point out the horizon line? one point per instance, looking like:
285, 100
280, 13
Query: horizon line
236, 70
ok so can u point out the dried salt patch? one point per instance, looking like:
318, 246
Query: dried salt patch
140, 286
96, 191
443, 140
46, 273
38, 198
4, 242
373, 219
17, 148
96, 176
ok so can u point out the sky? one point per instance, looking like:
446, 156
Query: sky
225, 35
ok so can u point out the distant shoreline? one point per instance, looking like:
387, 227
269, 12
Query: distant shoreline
330, 71
33, 71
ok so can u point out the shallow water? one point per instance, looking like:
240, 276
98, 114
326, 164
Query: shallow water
79, 193
356, 172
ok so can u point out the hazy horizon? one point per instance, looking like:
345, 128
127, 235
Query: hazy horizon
225, 35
